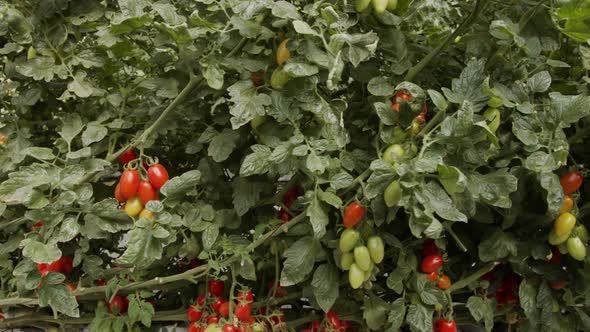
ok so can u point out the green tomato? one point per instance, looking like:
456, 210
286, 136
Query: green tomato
368, 273
362, 258
399, 134
361, 5
380, 5
393, 152
581, 232
495, 102
562, 247
492, 116
376, 248
279, 78
356, 276
257, 121
213, 328
346, 260
257, 327
348, 239
555, 240
391, 4
415, 128
564, 224
576, 248
31, 53
392, 194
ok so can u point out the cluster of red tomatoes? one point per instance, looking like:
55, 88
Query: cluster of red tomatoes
432, 261
507, 291
566, 235
288, 199
358, 258
212, 313
65, 265
135, 189
330, 323
419, 121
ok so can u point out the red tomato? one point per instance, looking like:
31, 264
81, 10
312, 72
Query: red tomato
511, 298
42, 268
432, 276
217, 304
101, 283
194, 313
571, 182
129, 182
212, 319
158, 175
443, 325
147, 192
290, 196
333, 319
200, 300
315, 325
36, 226
280, 292
246, 296
216, 287
510, 283
555, 256
229, 328
118, 195
126, 157
224, 310
243, 311
66, 264
421, 118
353, 214
256, 78
194, 327
559, 284
118, 305
431, 263
284, 216
400, 96
429, 248
444, 282
71, 286
1, 317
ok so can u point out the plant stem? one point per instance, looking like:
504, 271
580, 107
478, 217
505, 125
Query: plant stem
449, 229
477, 8
473, 277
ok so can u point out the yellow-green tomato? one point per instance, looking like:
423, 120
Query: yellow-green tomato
361, 5
492, 116
379, 5
576, 248
283, 53
31, 53
581, 232
279, 78
362, 258
346, 260
391, 4
356, 276
213, 328
393, 152
133, 207
348, 239
564, 224
495, 102
376, 248
399, 134
555, 240
392, 194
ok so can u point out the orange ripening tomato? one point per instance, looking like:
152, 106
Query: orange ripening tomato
444, 282
353, 214
568, 203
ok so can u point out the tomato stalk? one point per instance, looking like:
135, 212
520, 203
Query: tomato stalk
449, 229
473, 277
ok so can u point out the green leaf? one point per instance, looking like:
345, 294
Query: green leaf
142, 249
435, 199
82, 87
94, 132
300, 261
222, 145
469, 85
452, 179
303, 28
569, 109
325, 285
550, 182
285, 10
210, 235
39, 68
420, 318
214, 76
330, 198
178, 186
481, 309
381, 86
59, 298
493, 188
397, 313
256, 162
39, 252
375, 312
527, 294
39, 153
497, 245
318, 217
539, 82
18, 189
300, 69
246, 194
541, 162
246, 103
72, 126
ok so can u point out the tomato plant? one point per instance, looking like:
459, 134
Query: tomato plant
260, 165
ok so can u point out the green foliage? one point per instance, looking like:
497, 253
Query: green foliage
189, 82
